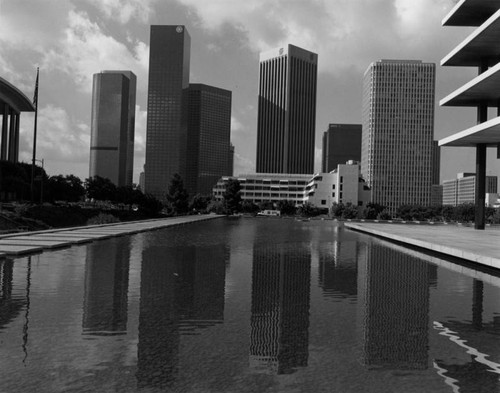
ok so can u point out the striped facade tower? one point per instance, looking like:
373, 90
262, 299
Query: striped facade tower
287, 111
398, 129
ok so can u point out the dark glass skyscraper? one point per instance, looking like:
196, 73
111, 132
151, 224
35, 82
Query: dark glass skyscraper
209, 133
287, 111
113, 126
166, 134
341, 143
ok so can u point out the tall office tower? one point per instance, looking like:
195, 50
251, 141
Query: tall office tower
398, 128
287, 111
230, 163
209, 133
166, 133
341, 143
113, 124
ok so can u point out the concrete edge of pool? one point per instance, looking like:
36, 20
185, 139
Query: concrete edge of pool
17, 244
477, 246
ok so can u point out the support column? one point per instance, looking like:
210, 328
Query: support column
5, 139
16, 142
12, 138
480, 186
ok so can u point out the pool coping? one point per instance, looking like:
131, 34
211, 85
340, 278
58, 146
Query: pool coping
458, 242
17, 244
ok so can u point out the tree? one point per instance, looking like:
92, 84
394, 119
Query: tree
372, 210
199, 203
100, 188
232, 197
249, 207
286, 208
350, 211
65, 188
177, 196
337, 209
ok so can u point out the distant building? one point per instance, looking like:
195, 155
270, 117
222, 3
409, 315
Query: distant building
341, 143
398, 127
269, 187
342, 185
463, 189
287, 111
209, 133
113, 126
436, 195
166, 131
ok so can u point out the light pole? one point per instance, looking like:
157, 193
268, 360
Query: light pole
41, 181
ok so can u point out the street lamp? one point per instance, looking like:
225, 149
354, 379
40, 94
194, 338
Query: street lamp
41, 180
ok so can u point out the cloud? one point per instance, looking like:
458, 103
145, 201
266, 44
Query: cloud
85, 50
140, 141
124, 10
344, 33
243, 165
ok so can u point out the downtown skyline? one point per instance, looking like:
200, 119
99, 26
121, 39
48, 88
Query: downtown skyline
71, 41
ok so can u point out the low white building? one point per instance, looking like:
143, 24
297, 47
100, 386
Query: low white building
342, 185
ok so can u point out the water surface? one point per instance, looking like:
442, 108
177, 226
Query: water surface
247, 305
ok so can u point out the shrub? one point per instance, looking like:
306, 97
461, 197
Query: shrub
102, 218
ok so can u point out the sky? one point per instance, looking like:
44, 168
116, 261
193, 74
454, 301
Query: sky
70, 40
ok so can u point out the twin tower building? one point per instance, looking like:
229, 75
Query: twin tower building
189, 125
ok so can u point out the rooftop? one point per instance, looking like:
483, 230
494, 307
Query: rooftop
470, 12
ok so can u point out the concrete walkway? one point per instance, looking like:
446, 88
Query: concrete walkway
479, 246
15, 244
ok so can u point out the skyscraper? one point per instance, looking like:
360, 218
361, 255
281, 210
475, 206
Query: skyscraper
341, 143
113, 126
287, 111
398, 128
209, 133
166, 133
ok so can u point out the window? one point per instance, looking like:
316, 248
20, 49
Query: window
333, 194
323, 201
333, 186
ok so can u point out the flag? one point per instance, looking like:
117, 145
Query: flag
35, 96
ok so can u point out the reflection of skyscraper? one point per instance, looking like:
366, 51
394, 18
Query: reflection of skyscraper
287, 111
280, 309
106, 287
202, 285
10, 306
158, 347
182, 291
338, 269
397, 310
113, 122
166, 134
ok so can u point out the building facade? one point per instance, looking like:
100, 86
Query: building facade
286, 111
463, 189
341, 143
398, 128
342, 185
209, 133
166, 132
113, 126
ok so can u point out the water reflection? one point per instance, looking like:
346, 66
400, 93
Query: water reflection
396, 310
338, 270
182, 291
281, 276
10, 306
106, 287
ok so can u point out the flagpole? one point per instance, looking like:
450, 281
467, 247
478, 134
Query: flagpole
35, 102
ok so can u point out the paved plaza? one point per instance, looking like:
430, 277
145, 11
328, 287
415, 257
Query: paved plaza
32, 242
478, 246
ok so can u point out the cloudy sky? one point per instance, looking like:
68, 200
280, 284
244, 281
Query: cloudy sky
70, 40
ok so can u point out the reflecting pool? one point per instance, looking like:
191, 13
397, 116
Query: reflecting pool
247, 305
